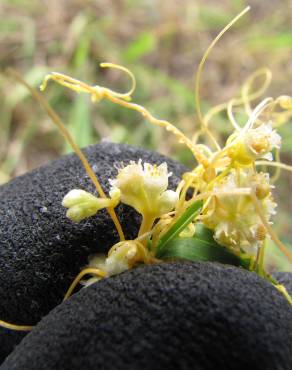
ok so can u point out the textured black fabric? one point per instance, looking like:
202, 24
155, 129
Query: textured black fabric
169, 316
41, 251
8, 340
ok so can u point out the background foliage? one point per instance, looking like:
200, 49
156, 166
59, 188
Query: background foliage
162, 43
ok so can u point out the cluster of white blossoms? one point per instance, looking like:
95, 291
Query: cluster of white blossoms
233, 199
254, 144
145, 188
142, 187
229, 211
233, 217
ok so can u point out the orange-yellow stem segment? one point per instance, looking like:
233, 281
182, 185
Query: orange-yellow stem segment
10, 326
86, 271
58, 122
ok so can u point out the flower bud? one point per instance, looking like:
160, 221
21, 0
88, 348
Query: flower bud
119, 258
82, 204
167, 201
262, 190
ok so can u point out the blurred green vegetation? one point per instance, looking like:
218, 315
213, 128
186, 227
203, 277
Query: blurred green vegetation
162, 43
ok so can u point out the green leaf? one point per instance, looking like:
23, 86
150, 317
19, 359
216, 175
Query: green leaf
144, 44
273, 42
79, 123
201, 247
185, 219
212, 17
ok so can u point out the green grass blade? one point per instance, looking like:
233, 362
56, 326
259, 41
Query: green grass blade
144, 44
201, 247
186, 218
79, 123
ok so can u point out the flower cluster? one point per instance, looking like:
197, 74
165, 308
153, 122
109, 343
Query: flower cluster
225, 193
229, 196
144, 187
231, 214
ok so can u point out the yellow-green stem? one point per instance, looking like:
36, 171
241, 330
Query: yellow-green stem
58, 122
261, 259
146, 225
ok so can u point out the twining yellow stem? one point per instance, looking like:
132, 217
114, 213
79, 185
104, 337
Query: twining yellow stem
274, 164
278, 171
249, 124
259, 109
219, 177
86, 271
80, 86
146, 225
164, 220
182, 196
213, 111
279, 166
161, 226
128, 94
246, 97
162, 123
208, 194
146, 257
231, 115
9, 326
261, 258
199, 73
58, 122
97, 93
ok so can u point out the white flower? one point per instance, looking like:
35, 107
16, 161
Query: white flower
254, 144
145, 188
119, 259
262, 140
82, 204
233, 218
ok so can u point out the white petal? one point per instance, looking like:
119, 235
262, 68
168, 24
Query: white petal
167, 201
268, 156
155, 178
